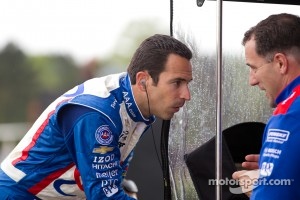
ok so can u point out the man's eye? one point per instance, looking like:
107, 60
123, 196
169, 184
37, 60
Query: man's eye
177, 83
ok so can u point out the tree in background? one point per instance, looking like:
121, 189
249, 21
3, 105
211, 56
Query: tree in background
129, 40
17, 84
55, 74
29, 83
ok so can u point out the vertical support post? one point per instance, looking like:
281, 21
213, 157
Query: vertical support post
218, 147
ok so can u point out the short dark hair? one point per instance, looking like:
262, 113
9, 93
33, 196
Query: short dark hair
153, 53
276, 33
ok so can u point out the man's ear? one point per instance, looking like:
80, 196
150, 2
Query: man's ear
141, 80
281, 60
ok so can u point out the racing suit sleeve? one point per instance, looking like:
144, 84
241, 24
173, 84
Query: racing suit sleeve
92, 140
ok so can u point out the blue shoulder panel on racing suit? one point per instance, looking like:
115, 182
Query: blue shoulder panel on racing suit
80, 147
279, 157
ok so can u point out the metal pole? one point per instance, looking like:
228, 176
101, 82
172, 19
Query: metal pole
218, 147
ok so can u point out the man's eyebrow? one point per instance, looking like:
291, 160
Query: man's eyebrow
249, 65
180, 79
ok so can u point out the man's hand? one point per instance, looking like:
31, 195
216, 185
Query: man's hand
251, 162
130, 188
246, 177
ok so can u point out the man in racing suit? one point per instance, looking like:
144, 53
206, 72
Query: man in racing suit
81, 145
272, 50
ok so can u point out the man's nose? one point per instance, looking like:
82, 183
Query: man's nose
186, 94
252, 79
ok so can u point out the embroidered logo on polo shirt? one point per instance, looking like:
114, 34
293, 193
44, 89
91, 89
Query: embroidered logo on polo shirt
266, 169
103, 135
277, 136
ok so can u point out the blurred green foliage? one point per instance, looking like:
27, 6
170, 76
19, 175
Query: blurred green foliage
55, 72
17, 83
129, 40
24, 79
29, 83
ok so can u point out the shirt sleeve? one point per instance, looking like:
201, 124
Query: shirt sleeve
279, 160
93, 143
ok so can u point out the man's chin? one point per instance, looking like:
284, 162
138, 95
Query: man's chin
167, 117
272, 103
